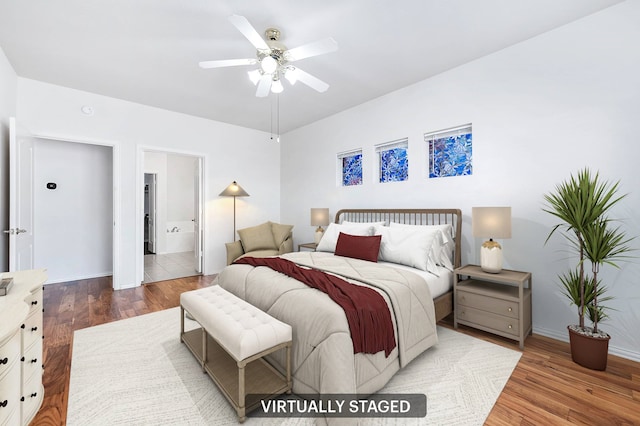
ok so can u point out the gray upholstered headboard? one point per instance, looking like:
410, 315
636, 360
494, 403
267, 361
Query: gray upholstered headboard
410, 217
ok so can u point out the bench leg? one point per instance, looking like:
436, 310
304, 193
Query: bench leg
181, 324
204, 349
289, 385
241, 396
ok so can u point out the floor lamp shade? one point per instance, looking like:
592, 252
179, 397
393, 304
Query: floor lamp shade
234, 190
319, 218
491, 222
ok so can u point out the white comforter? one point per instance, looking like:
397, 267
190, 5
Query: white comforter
322, 355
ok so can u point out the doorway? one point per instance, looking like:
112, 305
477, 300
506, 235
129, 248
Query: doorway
172, 240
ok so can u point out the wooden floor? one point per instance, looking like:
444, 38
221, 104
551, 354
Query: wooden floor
546, 388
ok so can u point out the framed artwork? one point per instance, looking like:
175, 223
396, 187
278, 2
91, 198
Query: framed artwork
393, 161
450, 152
350, 166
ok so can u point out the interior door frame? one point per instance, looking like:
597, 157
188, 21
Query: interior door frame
115, 160
141, 149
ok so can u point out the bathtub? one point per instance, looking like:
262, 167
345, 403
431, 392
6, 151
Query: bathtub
180, 236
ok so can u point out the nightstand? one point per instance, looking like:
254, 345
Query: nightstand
310, 246
496, 303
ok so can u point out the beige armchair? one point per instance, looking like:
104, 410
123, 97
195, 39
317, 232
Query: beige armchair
267, 239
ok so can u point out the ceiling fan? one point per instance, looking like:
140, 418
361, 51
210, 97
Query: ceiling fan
275, 59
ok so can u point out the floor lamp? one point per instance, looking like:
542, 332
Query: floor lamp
234, 190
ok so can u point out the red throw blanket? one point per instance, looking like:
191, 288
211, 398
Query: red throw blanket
366, 310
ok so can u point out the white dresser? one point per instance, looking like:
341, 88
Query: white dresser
21, 389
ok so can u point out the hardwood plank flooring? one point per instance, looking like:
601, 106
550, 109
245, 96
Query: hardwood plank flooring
80, 304
546, 388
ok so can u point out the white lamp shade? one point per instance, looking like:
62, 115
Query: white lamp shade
491, 222
276, 86
268, 65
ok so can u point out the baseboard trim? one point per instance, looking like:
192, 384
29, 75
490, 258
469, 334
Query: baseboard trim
79, 277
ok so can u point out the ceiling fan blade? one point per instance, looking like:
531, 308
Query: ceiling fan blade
263, 86
311, 81
243, 25
227, 63
311, 49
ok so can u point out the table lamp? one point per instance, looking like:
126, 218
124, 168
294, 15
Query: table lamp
491, 222
319, 218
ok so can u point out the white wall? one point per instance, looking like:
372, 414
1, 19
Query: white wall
231, 153
8, 85
540, 110
73, 223
180, 187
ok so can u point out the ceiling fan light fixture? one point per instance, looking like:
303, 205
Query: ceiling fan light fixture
255, 76
276, 86
291, 75
268, 65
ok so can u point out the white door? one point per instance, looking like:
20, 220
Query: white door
197, 221
152, 213
20, 199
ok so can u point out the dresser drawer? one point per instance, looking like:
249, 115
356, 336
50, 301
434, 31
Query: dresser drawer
9, 353
9, 393
32, 394
485, 319
32, 362
31, 330
490, 304
34, 301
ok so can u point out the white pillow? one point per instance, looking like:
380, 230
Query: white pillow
330, 236
408, 246
442, 250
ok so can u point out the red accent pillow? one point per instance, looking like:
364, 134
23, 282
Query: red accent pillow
358, 247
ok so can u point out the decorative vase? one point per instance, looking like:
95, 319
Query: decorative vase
589, 351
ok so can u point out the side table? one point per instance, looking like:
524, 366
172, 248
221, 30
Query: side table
497, 303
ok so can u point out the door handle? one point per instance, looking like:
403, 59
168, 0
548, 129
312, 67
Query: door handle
14, 231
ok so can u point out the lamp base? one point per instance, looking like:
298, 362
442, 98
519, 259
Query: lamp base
318, 235
491, 257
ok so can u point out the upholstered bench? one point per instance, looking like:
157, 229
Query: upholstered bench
230, 344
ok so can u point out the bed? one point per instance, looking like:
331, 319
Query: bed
323, 359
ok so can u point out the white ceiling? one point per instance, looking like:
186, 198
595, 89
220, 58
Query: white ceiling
147, 51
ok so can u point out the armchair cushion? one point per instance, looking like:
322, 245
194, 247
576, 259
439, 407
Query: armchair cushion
258, 238
280, 233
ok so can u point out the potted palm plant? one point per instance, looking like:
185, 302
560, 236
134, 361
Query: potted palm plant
582, 203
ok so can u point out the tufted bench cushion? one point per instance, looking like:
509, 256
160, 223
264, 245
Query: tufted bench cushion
240, 328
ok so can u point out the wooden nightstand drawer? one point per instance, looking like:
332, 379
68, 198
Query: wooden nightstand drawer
487, 303
483, 319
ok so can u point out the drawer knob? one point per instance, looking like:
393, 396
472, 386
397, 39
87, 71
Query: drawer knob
33, 361
510, 326
4, 360
510, 309
34, 328
34, 302
33, 395
4, 403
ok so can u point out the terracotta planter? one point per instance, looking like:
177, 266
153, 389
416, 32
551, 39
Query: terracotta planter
590, 352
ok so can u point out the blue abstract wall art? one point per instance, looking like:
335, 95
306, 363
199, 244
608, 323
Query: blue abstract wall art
352, 170
450, 155
394, 165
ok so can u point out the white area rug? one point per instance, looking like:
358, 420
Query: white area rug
136, 372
